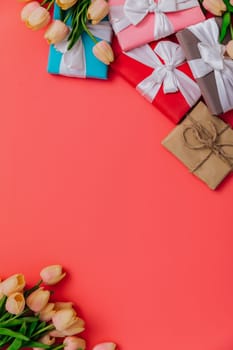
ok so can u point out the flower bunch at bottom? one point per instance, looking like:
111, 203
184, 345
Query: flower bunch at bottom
36, 15
29, 319
224, 9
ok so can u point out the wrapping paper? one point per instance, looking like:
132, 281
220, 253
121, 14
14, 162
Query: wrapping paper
204, 143
212, 69
138, 22
168, 85
79, 61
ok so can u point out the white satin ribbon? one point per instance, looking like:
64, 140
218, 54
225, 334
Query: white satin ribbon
134, 11
73, 61
213, 60
166, 74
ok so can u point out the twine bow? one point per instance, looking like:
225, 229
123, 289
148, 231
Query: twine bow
208, 140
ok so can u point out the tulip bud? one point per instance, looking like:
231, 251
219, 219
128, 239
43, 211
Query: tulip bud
103, 51
105, 346
229, 48
15, 303
38, 18
28, 9
66, 4
56, 32
38, 299
231, 2
12, 284
64, 319
46, 339
52, 274
47, 312
97, 11
77, 327
74, 343
216, 7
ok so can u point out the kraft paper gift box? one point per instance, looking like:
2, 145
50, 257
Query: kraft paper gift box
212, 69
79, 61
160, 73
204, 143
138, 22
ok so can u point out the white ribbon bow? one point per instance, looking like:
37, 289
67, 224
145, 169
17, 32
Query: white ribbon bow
73, 62
134, 11
213, 60
166, 74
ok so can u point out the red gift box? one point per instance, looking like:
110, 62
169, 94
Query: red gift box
174, 105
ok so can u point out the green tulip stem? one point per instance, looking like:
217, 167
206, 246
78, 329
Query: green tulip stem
86, 29
67, 17
231, 31
48, 328
50, 5
61, 346
44, 2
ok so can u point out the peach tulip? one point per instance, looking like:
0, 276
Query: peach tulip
53, 274
56, 334
74, 343
64, 319
229, 48
47, 312
15, 303
77, 327
38, 299
12, 284
97, 10
231, 2
105, 346
103, 51
56, 32
66, 4
38, 18
28, 9
216, 7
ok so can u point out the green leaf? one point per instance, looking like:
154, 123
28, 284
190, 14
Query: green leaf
225, 24
2, 304
4, 340
32, 328
17, 322
15, 345
13, 334
228, 5
41, 331
23, 328
36, 344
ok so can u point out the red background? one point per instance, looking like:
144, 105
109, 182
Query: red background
85, 182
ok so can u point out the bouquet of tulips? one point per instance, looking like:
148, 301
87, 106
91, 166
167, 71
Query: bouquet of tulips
28, 319
224, 9
36, 15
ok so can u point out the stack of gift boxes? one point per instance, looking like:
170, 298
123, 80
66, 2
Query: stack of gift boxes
170, 53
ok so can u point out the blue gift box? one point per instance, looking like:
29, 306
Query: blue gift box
79, 61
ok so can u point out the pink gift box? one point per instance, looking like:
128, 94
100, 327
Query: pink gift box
137, 22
